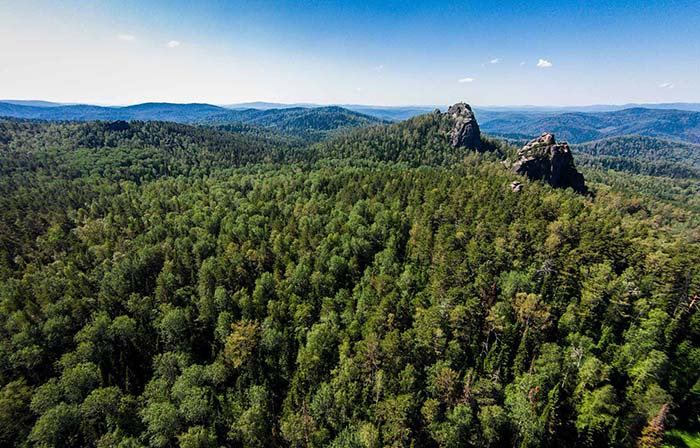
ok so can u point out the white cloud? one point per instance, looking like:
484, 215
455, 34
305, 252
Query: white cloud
666, 85
173, 44
543, 63
126, 37
463, 80
522, 63
378, 68
495, 60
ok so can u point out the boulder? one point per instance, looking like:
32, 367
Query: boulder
544, 158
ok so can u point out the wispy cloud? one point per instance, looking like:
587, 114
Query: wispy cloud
174, 44
378, 68
543, 63
126, 37
495, 60
522, 63
463, 80
666, 85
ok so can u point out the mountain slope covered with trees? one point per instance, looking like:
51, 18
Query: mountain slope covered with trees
301, 121
172, 285
647, 148
579, 127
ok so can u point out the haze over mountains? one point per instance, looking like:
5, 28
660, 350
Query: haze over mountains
577, 125
190, 113
295, 119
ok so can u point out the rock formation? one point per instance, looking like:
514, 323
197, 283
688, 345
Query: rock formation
544, 158
466, 130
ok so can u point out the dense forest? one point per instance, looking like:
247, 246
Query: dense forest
171, 285
637, 146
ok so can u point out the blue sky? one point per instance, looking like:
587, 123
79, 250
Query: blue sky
537, 52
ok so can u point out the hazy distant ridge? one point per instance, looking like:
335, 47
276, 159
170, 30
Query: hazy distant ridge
581, 127
659, 121
295, 118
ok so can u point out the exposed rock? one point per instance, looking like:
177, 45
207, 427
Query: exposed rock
466, 130
516, 186
544, 158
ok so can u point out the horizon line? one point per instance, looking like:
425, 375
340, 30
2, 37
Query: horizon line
342, 104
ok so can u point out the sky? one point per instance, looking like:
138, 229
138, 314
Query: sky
507, 52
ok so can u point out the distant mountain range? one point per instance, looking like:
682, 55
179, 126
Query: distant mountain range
693, 107
36, 103
190, 112
658, 121
296, 120
421, 109
148, 111
403, 112
579, 127
398, 113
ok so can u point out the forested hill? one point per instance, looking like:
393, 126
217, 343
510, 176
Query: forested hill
149, 111
583, 127
315, 122
641, 147
169, 285
643, 155
420, 140
109, 149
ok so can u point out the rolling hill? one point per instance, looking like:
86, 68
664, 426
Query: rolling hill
36, 103
301, 119
182, 113
583, 127
314, 122
641, 155
641, 147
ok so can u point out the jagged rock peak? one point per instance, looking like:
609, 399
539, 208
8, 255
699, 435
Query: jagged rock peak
466, 130
544, 158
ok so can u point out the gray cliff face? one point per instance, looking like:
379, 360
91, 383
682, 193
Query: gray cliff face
544, 158
466, 130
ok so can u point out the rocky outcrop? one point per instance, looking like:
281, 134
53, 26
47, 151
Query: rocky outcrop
466, 130
544, 158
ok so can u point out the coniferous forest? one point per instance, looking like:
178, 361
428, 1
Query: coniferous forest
170, 285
